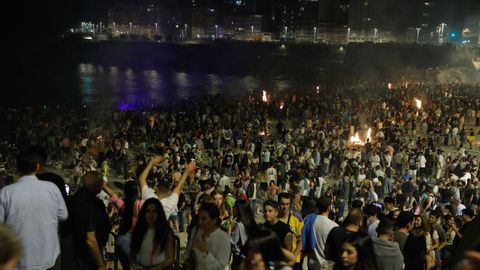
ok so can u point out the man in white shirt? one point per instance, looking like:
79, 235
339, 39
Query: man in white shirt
168, 198
372, 220
375, 159
272, 174
223, 181
440, 164
467, 176
322, 227
265, 158
455, 136
33, 209
422, 161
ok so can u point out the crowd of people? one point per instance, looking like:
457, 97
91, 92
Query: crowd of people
320, 180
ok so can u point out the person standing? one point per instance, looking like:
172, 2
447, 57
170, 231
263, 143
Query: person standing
152, 245
209, 247
90, 223
270, 213
372, 213
167, 197
405, 226
351, 227
33, 209
295, 223
388, 254
415, 250
321, 228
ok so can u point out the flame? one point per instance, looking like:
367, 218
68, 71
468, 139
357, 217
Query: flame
261, 133
355, 140
369, 134
389, 85
264, 96
418, 103
281, 105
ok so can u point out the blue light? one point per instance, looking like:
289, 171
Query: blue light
453, 35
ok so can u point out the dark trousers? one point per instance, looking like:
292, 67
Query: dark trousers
84, 262
298, 266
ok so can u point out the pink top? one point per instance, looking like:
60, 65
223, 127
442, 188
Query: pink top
136, 210
117, 201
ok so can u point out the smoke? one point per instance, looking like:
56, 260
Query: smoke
476, 63
452, 75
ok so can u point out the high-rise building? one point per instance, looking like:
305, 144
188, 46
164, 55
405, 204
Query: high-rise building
442, 21
284, 15
366, 18
134, 19
307, 21
471, 30
243, 26
239, 6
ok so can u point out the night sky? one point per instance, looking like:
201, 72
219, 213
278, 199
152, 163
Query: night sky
54, 16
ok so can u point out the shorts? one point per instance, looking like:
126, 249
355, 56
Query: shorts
173, 218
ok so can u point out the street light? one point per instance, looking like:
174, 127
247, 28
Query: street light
418, 33
286, 28
314, 34
113, 26
130, 23
348, 35
375, 30
252, 29
186, 30
156, 28
216, 28
442, 32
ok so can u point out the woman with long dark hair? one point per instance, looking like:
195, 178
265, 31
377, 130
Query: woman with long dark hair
263, 251
241, 226
415, 249
209, 247
219, 198
357, 254
131, 209
152, 244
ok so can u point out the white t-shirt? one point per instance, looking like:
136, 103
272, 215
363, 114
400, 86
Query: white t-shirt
266, 156
145, 257
84, 142
423, 161
169, 203
466, 177
271, 174
454, 131
219, 248
372, 228
322, 228
459, 209
222, 182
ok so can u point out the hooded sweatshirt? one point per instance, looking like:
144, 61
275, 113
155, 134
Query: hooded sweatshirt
388, 254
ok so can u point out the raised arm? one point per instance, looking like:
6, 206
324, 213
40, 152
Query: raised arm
189, 169
113, 196
142, 180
